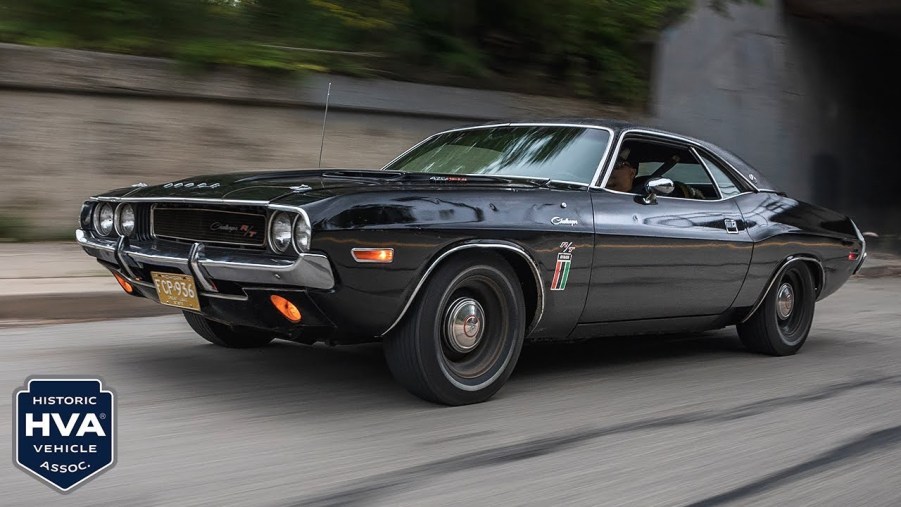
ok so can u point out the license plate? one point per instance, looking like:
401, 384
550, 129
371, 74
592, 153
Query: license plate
176, 290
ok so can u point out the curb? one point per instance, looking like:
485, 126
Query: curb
79, 307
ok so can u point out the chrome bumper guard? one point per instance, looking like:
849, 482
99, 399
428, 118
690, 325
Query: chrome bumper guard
308, 270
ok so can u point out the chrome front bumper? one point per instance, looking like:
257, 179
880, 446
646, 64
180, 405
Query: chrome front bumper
207, 264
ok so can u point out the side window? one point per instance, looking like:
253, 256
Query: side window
640, 160
728, 186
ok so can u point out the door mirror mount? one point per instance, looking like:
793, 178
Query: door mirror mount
655, 187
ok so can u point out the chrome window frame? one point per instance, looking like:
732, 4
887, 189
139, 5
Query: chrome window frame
666, 137
522, 124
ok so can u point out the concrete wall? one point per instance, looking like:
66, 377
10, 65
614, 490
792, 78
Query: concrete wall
74, 123
807, 102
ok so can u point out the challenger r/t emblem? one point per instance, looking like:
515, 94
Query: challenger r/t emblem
64, 430
561, 270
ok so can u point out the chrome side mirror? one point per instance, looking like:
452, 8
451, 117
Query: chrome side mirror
655, 186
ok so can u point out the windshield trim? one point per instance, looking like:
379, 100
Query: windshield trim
521, 124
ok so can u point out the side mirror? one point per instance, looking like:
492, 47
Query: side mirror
655, 186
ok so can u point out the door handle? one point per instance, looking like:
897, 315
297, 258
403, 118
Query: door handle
731, 226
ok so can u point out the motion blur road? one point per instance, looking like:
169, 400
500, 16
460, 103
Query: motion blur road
689, 420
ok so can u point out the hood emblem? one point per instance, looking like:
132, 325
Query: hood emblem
191, 184
301, 188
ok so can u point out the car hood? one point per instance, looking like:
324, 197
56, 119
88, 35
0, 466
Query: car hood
307, 185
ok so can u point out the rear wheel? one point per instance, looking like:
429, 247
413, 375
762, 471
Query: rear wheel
227, 336
781, 324
461, 339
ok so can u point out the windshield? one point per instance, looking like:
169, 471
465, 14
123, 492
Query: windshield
552, 152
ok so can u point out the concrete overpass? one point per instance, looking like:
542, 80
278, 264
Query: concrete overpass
800, 88
882, 16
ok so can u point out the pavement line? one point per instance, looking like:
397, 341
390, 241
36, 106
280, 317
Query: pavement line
364, 490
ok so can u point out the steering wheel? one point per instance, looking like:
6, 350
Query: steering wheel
687, 191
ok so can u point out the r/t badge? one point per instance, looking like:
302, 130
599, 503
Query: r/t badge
64, 430
561, 270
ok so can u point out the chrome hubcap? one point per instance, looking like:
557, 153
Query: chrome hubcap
465, 322
785, 301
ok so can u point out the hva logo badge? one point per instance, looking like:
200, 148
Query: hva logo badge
64, 430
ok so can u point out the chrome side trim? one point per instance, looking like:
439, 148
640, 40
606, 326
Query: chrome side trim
688, 142
665, 136
522, 124
821, 279
716, 186
182, 200
503, 246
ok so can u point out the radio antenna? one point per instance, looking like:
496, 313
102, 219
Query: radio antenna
324, 117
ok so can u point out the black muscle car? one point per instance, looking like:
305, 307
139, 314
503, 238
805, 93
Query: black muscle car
478, 239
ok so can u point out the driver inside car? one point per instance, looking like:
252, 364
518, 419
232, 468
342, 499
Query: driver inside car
623, 176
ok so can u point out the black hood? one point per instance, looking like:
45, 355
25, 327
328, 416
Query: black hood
312, 184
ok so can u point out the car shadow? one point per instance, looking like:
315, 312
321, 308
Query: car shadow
640, 351
291, 378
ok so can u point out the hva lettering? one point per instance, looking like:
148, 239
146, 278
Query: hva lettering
89, 424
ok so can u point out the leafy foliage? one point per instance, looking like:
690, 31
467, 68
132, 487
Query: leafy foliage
590, 47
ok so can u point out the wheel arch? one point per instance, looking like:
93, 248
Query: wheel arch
525, 267
810, 261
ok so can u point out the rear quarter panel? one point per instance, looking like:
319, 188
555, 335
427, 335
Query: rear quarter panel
781, 227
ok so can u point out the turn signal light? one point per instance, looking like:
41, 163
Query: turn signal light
124, 283
286, 308
381, 255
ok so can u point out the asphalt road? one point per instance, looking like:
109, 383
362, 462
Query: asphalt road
691, 420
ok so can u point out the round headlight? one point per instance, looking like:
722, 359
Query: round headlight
302, 234
280, 231
103, 219
126, 220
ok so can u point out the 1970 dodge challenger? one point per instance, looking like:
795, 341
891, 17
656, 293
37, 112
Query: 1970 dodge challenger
477, 239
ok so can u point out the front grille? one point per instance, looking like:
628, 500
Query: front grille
210, 226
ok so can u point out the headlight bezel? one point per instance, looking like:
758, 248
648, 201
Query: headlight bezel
270, 238
97, 219
118, 220
305, 233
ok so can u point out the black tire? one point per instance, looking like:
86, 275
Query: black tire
470, 361
770, 331
226, 336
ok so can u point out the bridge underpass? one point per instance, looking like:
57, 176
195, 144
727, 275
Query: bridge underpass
801, 88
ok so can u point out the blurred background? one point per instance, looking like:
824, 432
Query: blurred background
97, 94
100, 94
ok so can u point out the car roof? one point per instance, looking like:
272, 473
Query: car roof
618, 126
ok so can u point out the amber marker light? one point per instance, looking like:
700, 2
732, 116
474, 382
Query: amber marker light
379, 255
124, 283
286, 308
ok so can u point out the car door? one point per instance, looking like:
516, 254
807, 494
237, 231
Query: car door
672, 258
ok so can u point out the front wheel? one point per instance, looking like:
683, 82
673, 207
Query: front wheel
780, 325
460, 341
225, 336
